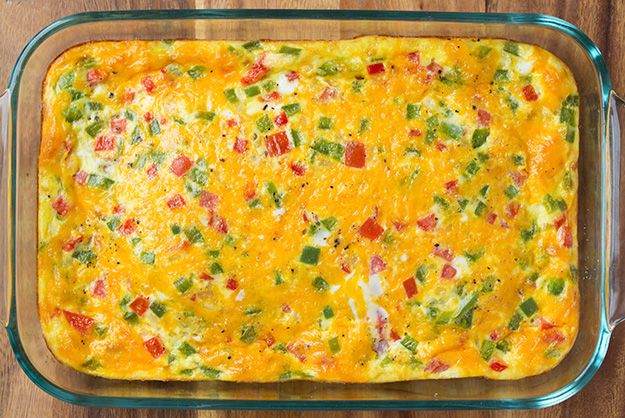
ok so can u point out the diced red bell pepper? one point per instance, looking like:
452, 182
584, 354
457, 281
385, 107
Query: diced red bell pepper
377, 264
394, 335
205, 276
559, 221
232, 123
255, 73
292, 75
376, 68
277, 144
410, 286
99, 288
512, 209
154, 347
180, 165
444, 253
281, 119
345, 267
427, 223
355, 154
545, 323
328, 94
565, 236
250, 190
208, 200
232, 284
148, 117
491, 218
96, 75
240, 145
152, 171
415, 57
448, 272
82, 323
434, 70
128, 227
271, 97
436, 366
61, 206
270, 340
176, 201
118, 126
69, 245
529, 93
105, 143
139, 305
399, 226
483, 117
440, 145
518, 178
81, 177
128, 96
553, 336
415, 132
497, 366
149, 84
451, 186
297, 168
370, 229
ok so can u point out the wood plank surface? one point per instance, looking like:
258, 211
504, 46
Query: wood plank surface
603, 21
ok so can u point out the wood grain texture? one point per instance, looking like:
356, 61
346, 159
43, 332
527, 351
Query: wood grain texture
601, 20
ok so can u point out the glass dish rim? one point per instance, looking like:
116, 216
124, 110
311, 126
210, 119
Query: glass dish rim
181, 403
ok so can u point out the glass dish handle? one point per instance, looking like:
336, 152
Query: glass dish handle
5, 224
614, 264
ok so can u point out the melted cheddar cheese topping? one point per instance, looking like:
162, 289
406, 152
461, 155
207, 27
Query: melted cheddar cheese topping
366, 210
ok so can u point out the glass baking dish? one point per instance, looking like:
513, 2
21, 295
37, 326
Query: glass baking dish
599, 228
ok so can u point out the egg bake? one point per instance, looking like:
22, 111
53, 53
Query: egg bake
366, 210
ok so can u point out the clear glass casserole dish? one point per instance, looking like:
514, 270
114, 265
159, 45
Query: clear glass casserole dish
598, 223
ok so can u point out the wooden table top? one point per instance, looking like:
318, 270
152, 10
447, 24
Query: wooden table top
602, 20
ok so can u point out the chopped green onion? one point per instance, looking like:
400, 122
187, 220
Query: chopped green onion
248, 334
324, 123
320, 284
95, 128
158, 308
291, 109
479, 137
487, 349
310, 255
186, 349
196, 71
131, 318
193, 234
209, 116
264, 124
289, 50
412, 110
155, 127
409, 343
328, 68
183, 284
147, 257
528, 307
555, 286
231, 95
84, 255
252, 91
